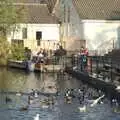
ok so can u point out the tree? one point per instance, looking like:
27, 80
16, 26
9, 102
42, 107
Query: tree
10, 15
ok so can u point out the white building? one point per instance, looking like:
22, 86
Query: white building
95, 21
39, 28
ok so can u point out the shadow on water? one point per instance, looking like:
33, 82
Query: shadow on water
18, 80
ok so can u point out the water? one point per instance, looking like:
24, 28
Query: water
16, 80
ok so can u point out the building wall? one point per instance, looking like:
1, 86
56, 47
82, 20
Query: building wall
50, 35
72, 30
102, 35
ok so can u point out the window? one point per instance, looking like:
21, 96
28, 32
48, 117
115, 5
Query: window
24, 33
38, 37
17, 42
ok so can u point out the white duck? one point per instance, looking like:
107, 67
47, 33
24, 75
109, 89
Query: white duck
96, 101
37, 117
19, 94
82, 109
118, 88
36, 94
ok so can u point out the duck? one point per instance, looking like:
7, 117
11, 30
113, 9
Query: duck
118, 88
37, 117
52, 100
18, 94
116, 109
30, 100
7, 99
96, 101
68, 99
83, 109
34, 93
44, 103
24, 108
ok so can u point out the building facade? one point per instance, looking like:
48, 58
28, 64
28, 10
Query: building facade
39, 28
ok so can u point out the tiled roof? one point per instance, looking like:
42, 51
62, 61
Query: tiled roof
50, 3
29, 1
38, 13
98, 9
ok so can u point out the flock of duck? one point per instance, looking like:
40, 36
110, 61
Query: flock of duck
86, 97
33, 97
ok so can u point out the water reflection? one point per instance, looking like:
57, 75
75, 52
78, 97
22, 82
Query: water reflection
12, 80
18, 80
15, 80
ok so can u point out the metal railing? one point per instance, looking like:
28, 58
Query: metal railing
100, 66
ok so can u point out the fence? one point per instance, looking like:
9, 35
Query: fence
101, 66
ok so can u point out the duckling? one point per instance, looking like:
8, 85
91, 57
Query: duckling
7, 99
24, 108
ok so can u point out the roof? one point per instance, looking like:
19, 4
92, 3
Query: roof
50, 3
98, 9
29, 1
37, 13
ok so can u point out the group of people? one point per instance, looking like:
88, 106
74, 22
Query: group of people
37, 56
42, 55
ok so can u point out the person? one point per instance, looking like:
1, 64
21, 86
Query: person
40, 56
83, 58
27, 53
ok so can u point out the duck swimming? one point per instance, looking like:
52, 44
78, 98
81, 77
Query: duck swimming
30, 100
34, 93
82, 109
96, 101
44, 103
18, 94
37, 117
7, 99
24, 108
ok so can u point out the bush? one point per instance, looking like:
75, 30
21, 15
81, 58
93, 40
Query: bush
17, 52
4, 50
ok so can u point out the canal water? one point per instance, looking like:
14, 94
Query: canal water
12, 81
